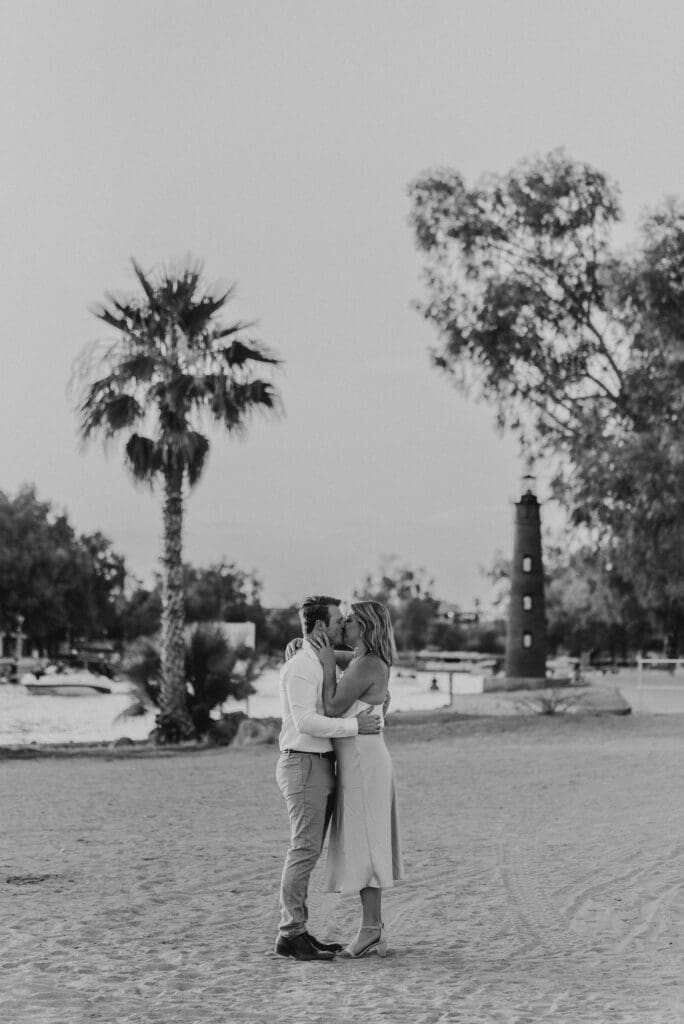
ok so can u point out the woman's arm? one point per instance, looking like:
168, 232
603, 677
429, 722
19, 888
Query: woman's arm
342, 658
365, 679
364, 675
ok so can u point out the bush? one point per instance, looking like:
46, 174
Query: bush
214, 672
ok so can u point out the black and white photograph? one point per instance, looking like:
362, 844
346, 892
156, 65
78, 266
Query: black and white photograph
341, 512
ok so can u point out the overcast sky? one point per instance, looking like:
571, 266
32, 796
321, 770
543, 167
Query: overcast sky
275, 141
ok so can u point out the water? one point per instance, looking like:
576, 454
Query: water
26, 718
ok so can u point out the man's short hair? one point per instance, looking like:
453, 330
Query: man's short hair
314, 608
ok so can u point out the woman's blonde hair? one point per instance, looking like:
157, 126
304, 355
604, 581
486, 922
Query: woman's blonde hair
376, 624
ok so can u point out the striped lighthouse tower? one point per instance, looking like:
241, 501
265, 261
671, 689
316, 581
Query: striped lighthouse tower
526, 639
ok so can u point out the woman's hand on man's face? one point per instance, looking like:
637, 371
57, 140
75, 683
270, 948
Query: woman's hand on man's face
323, 648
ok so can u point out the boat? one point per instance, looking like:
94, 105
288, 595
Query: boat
467, 662
66, 684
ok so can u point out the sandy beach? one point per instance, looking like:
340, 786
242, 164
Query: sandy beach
545, 863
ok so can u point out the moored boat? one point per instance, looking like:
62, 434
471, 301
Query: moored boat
66, 684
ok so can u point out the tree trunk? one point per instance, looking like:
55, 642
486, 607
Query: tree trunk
174, 721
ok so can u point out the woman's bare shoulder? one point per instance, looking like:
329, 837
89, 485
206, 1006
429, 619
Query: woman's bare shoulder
375, 666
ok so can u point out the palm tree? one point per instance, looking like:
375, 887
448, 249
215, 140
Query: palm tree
172, 368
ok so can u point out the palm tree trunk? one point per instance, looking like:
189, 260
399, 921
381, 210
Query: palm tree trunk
174, 721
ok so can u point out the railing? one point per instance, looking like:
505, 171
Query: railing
448, 666
655, 663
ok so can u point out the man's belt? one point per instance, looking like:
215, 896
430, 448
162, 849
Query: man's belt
329, 754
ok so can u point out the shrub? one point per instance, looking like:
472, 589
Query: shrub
214, 672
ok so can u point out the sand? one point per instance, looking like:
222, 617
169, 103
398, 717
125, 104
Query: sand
545, 861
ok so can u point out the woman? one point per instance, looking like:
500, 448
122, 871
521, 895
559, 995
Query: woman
364, 853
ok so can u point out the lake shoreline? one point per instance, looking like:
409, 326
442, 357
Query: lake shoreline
397, 722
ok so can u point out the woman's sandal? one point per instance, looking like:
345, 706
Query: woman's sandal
378, 946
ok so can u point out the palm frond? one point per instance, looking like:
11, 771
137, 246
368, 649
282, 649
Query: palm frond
108, 317
142, 665
139, 367
145, 284
196, 317
143, 457
124, 316
177, 288
259, 394
237, 354
180, 392
196, 451
232, 402
237, 328
108, 411
222, 403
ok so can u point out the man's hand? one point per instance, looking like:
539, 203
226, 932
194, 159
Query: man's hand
369, 722
324, 649
293, 647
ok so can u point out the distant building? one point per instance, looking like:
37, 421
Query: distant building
451, 613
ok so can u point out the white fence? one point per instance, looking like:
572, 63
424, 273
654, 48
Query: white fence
651, 679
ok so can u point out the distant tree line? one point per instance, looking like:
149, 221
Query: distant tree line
72, 588
416, 612
62, 583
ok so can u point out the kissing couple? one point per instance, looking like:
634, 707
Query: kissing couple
334, 769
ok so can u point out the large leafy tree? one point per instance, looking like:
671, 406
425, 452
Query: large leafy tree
173, 366
107, 583
222, 592
216, 593
577, 346
65, 586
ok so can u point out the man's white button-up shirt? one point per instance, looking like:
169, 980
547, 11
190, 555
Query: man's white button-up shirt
305, 725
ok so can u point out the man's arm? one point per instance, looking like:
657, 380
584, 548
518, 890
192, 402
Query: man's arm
302, 695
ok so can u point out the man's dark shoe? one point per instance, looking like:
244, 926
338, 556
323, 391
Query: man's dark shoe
329, 947
301, 948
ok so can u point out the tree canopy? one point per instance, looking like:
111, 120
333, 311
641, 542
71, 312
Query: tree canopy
172, 365
579, 347
65, 585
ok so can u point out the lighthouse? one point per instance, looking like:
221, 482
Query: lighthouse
526, 639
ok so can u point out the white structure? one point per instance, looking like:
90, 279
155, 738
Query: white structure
238, 634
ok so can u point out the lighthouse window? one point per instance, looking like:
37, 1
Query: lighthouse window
527, 603
527, 564
527, 639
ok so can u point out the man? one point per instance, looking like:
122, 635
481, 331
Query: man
306, 774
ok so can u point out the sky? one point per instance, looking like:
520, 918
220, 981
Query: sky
275, 141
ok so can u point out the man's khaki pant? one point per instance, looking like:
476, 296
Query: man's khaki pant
307, 781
